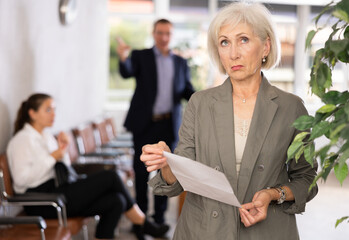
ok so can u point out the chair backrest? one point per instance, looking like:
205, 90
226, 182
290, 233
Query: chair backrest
85, 138
5, 178
111, 128
73, 150
101, 131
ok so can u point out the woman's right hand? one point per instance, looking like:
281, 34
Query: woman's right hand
58, 154
152, 156
63, 142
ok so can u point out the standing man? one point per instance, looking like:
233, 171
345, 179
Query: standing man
162, 81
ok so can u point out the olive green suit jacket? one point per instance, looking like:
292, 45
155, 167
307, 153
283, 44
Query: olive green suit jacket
207, 135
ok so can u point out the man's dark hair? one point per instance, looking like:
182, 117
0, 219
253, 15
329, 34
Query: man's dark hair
162, 21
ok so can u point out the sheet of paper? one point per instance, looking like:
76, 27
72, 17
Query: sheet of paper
198, 178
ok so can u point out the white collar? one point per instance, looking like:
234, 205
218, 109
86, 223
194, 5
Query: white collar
29, 128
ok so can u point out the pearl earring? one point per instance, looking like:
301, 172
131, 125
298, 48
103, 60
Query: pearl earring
264, 60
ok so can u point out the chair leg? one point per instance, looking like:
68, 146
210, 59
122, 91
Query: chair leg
85, 232
60, 218
42, 234
65, 217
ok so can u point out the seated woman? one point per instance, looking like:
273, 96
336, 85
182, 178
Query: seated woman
33, 153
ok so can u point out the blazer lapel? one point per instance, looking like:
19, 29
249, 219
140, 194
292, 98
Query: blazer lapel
222, 114
176, 72
263, 115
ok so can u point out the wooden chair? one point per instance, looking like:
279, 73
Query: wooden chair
10, 225
113, 133
86, 164
87, 146
105, 135
61, 228
102, 139
86, 158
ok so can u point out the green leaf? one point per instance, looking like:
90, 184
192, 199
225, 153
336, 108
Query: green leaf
319, 117
335, 97
331, 97
313, 184
315, 88
343, 56
346, 109
338, 46
323, 76
336, 131
346, 32
339, 221
339, 116
343, 158
334, 31
326, 108
310, 37
344, 6
328, 165
309, 153
341, 14
319, 54
300, 136
344, 147
299, 153
341, 172
303, 122
319, 129
292, 150
343, 98
345, 133
322, 153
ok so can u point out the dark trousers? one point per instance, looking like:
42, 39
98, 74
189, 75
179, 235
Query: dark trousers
102, 194
157, 131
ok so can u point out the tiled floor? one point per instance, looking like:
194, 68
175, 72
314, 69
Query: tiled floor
331, 203
123, 231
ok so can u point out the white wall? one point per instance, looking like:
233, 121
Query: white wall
39, 54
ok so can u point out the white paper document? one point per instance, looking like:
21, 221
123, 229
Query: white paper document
200, 179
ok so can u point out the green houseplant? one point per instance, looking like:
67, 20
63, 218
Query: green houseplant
332, 119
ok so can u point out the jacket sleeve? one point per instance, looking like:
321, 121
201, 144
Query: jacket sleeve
160, 187
301, 175
126, 68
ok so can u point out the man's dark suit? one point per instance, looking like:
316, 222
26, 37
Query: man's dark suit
139, 120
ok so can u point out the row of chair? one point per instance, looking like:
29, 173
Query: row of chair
94, 146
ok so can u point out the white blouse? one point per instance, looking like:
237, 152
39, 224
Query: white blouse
29, 158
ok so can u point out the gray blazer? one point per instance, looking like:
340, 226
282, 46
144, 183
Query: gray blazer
207, 135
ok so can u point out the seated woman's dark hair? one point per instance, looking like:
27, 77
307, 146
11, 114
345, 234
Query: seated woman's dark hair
33, 102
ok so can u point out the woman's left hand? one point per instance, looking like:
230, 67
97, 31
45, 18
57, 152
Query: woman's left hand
256, 211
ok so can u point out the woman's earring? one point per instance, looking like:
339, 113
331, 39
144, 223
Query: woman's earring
264, 60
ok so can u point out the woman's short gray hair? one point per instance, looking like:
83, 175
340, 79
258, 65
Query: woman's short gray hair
254, 14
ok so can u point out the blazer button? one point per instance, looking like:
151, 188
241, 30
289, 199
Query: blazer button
260, 168
214, 214
217, 168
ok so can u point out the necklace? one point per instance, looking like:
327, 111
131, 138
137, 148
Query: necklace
244, 99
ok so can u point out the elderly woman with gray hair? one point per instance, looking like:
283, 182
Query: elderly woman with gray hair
242, 128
